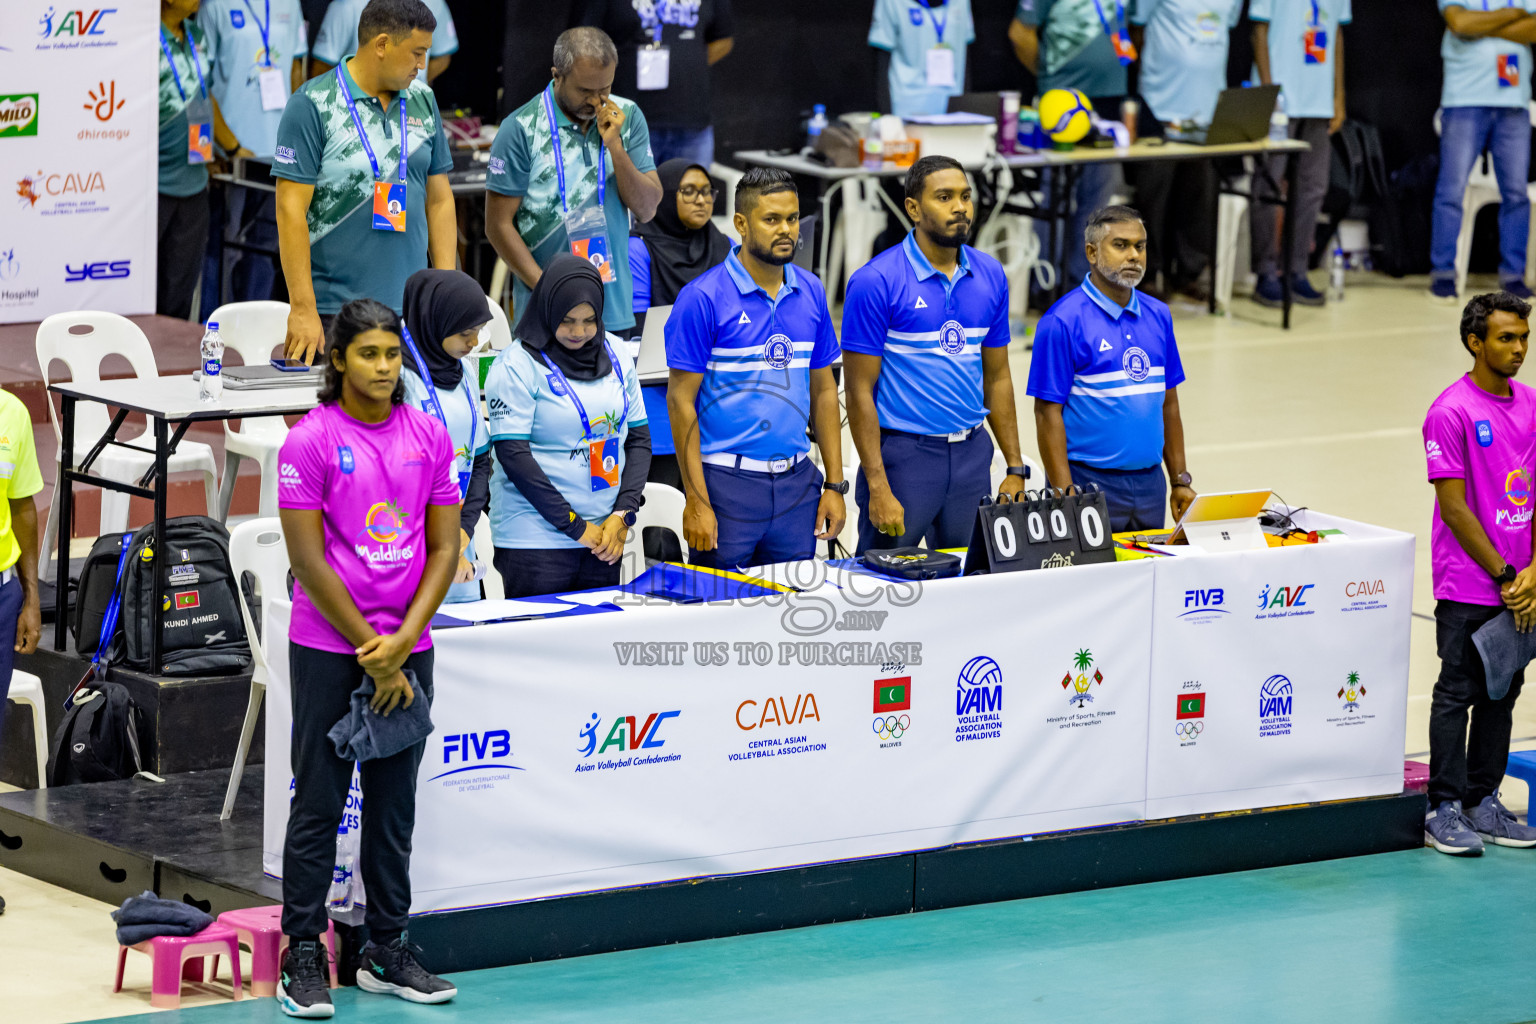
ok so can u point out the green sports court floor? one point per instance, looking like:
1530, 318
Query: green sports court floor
1402, 938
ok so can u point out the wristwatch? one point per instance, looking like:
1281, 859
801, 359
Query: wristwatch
1183, 480
628, 514
1022, 471
840, 488
1506, 574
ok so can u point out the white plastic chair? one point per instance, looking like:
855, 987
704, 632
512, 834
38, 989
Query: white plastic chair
501, 328
82, 354
256, 546
663, 508
26, 688
253, 329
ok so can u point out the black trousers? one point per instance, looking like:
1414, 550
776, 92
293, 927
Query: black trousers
1466, 766
529, 572
181, 239
322, 686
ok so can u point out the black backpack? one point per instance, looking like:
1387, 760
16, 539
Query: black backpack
99, 739
203, 632
98, 582
1401, 222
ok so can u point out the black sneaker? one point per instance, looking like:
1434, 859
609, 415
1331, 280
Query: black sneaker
304, 980
393, 970
2, 904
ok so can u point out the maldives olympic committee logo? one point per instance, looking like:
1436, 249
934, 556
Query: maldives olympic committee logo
952, 338
778, 351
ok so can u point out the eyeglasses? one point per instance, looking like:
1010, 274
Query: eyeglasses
689, 192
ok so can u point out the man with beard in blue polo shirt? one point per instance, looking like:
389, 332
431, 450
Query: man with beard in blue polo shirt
1104, 375
925, 350
750, 346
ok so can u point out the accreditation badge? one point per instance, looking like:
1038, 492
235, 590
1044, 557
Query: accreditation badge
941, 67
388, 206
1314, 42
603, 458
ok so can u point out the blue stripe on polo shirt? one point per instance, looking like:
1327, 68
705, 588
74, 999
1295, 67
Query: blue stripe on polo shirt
756, 355
929, 331
1109, 367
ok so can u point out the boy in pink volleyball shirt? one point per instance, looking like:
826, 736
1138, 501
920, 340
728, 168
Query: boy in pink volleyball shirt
1479, 446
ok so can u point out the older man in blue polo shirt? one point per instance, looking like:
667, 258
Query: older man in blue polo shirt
925, 351
1105, 375
750, 346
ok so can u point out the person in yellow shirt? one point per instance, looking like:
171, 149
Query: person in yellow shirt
21, 618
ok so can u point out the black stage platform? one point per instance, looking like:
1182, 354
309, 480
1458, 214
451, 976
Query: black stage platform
112, 840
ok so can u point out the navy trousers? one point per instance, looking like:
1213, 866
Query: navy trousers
939, 485
1137, 498
762, 518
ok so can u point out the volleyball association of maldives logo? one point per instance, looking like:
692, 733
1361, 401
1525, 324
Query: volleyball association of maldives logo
952, 337
384, 522
1517, 486
778, 351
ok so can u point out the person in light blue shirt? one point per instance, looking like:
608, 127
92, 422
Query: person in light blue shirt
1183, 46
925, 352
750, 346
445, 312
1104, 375
258, 48
1068, 44
573, 444
1299, 45
338, 38
923, 42
1484, 105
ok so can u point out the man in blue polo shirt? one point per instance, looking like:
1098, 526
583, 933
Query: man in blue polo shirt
750, 346
1105, 375
257, 48
1298, 44
359, 207
1484, 105
338, 37
925, 353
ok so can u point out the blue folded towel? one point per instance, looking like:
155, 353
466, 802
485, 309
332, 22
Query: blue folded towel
364, 734
148, 916
1504, 650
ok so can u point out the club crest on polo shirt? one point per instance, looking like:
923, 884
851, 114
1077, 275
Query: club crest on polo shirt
778, 351
344, 452
952, 337
1136, 364
1484, 433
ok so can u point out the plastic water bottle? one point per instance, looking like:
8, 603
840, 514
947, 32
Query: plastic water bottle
874, 145
211, 388
1279, 124
340, 895
815, 126
1336, 267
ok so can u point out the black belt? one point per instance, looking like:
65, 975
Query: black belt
1112, 472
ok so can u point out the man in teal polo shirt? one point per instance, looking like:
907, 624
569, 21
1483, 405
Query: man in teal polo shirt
356, 217
338, 34
567, 169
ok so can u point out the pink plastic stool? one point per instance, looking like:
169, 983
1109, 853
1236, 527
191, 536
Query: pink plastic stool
168, 956
261, 928
1415, 777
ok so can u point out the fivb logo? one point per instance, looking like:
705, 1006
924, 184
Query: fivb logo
1204, 605
624, 735
476, 751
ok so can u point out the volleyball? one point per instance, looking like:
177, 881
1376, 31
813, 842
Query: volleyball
1066, 115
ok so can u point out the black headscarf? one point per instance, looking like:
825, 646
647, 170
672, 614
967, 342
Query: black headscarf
438, 305
678, 254
567, 282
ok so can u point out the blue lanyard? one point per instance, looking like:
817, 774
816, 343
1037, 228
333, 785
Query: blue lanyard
554, 138
165, 45
265, 30
581, 410
114, 606
1120, 15
938, 26
361, 134
1316, 16
437, 406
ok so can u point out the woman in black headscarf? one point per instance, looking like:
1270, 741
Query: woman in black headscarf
445, 311
571, 437
665, 253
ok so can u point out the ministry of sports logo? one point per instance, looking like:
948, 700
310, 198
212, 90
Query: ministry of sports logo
952, 338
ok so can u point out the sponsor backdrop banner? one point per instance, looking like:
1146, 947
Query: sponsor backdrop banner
78, 156
672, 741
1280, 676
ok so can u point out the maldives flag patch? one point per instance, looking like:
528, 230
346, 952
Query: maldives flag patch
186, 599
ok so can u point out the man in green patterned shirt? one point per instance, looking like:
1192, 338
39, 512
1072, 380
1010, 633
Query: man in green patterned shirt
350, 225
536, 210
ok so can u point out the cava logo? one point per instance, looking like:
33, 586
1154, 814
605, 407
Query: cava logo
777, 711
1275, 695
1365, 596
979, 700
18, 115
69, 190
1282, 602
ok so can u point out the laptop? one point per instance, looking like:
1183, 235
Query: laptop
262, 378
1242, 115
653, 343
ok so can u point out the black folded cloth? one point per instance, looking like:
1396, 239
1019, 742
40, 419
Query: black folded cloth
148, 916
